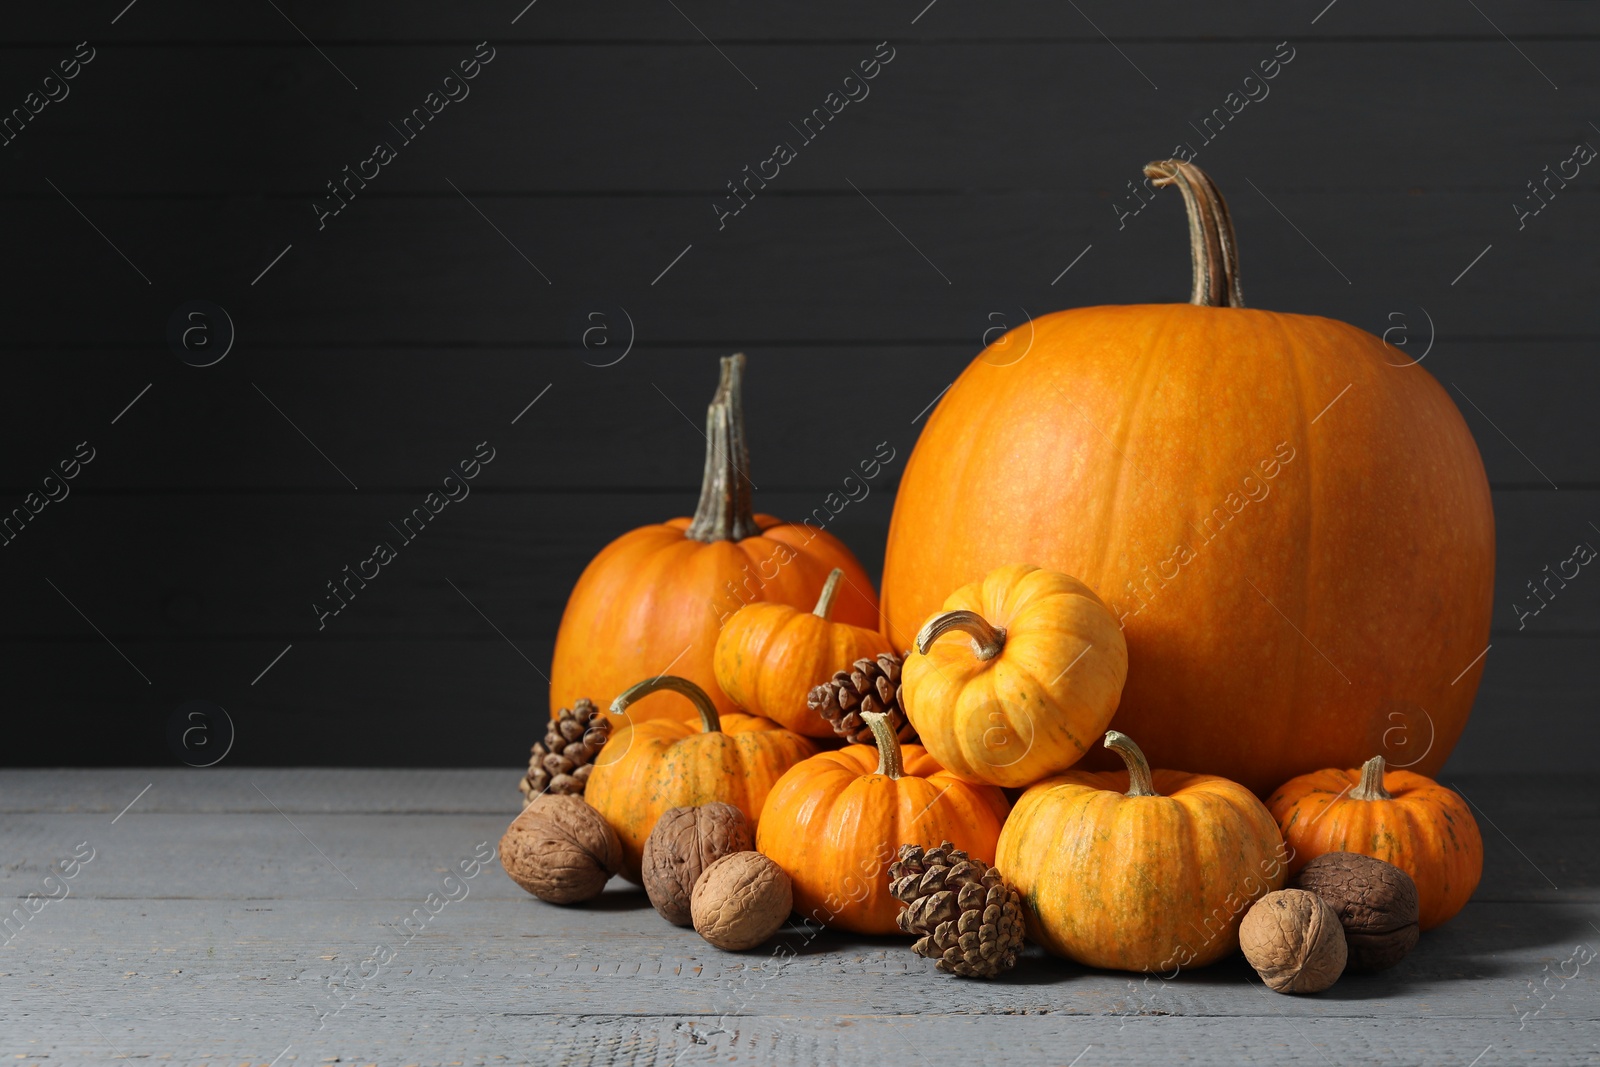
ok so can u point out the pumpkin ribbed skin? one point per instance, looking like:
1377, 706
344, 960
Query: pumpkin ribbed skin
1424, 829
1272, 622
648, 768
834, 825
1041, 701
769, 656
1140, 883
654, 600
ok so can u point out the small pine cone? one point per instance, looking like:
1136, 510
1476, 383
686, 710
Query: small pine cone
869, 685
965, 915
561, 762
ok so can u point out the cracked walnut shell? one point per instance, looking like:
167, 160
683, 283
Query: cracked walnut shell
560, 849
1294, 941
740, 901
683, 844
1376, 902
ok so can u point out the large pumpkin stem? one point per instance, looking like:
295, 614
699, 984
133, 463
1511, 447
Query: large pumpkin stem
987, 641
710, 721
1371, 785
725, 512
890, 762
830, 589
1139, 782
1212, 246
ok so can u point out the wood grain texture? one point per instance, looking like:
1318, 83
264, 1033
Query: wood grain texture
1373, 184
208, 926
515, 556
796, 20
393, 417
669, 118
821, 267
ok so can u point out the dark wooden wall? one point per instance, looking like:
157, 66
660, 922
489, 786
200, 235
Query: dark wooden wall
453, 289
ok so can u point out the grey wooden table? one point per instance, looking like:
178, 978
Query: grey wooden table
284, 917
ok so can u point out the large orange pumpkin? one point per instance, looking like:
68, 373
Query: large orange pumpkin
653, 600
770, 656
1289, 517
1138, 870
650, 767
1396, 816
836, 820
1016, 677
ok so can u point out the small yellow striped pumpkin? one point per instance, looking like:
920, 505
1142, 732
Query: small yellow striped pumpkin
1140, 871
648, 768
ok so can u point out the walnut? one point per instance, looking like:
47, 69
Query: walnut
560, 849
1294, 941
1376, 903
684, 842
740, 901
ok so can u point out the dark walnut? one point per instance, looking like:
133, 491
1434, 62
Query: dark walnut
560, 849
685, 842
1376, 903
1294, 941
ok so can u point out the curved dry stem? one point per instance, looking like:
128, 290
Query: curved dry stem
1371, 784
1140, 783
725, 512
987, 641
710, 721
890, 760
830, 589
1213, 249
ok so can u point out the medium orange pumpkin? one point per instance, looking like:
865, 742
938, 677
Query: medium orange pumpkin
1399, 817
1138, 870
1016, 676
648, 768
769, 656
1289, 517
836, 820
653, 600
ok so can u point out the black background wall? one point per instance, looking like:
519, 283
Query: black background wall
1376, 182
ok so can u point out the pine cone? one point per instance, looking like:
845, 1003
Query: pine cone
562, 761
869, 685
966, 916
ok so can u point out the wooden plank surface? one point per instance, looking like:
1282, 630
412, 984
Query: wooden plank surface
516, 556
913, 125
819, 267
435, 404
796, 20
215, 909
1375, 181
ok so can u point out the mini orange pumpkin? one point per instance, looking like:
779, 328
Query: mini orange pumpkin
650, 767
1138, 870
1029, 683
1399, 817
769, 656
653, 600
835, 821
